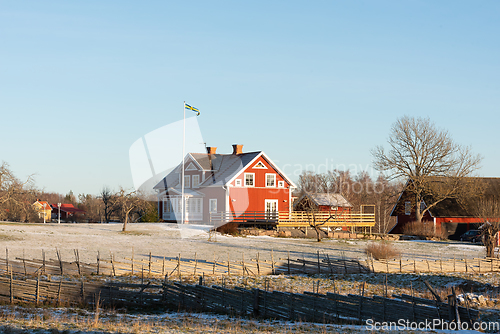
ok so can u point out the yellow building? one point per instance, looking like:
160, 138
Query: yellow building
44, 210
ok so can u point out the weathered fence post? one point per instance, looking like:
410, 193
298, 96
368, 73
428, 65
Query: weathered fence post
6, 260
82, 292
98, 260
37, 288
272, 262
258, 265
149, 265
255, 302
43, 257
361, 302
77, 259
59, 293
11, 288
179, 266
24, 264
319, 265
113, 273
213, 268
195, 264
132, 265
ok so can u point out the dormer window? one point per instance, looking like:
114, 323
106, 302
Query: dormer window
187, 179
196, 181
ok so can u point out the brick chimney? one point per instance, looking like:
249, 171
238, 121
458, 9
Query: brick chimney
211, 150
237, 149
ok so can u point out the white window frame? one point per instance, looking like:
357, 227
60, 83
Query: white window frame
212, 205
237, 183
197, 178
167, 204
187, 181
253, 179
281, 184
273, 179
271, 213
407, 208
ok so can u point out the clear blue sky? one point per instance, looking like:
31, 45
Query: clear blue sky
308, 82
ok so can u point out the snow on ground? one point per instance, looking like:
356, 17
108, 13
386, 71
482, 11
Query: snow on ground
68, 320
169, 240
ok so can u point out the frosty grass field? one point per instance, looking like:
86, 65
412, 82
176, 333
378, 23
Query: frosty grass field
167, 240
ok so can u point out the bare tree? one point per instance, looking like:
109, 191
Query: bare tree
16, 196
419, 152
489, 212
93, 206
109, 201
129, 203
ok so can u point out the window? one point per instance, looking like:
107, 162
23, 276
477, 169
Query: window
270, 180
196, 181
193, 205
167, 205
281, 184
407, 208
213, 205
249, 179
187, 179
237, 183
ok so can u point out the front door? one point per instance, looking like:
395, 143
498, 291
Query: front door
271, 209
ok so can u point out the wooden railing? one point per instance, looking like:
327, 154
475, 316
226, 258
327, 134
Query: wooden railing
326, 219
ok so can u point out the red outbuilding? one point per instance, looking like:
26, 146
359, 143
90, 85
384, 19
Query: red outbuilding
450, 217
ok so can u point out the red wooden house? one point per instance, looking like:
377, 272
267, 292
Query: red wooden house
233, 184
450, 217
68, 212
322, 202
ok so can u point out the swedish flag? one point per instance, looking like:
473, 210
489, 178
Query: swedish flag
187, 106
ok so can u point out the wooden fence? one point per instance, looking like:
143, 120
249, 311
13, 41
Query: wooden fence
180, 266
183, 266
434, 265
307, 306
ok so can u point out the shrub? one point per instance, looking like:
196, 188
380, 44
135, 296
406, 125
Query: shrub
229, 228
382, 250
423, 229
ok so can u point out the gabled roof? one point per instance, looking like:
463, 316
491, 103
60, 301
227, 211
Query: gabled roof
224, 168
43, 204
326, 199
452, 207
67, 208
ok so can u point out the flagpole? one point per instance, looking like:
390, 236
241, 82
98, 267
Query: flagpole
183, 154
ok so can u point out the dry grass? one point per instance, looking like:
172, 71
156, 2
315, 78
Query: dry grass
229, 228
6, 237
423, 229
382, 250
